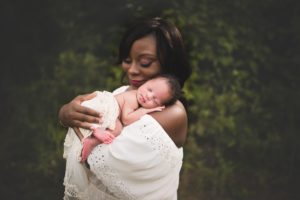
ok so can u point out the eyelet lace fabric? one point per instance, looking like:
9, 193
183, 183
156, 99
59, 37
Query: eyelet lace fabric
142, 163
161, 143
108, 176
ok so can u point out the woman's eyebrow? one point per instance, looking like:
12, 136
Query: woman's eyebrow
151, 56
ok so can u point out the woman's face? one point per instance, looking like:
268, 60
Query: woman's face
142, 63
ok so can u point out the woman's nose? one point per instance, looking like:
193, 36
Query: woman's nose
133, 68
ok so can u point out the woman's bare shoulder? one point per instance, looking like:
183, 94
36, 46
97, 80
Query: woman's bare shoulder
174, 121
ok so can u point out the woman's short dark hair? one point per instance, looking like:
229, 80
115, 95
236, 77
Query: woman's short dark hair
170, 49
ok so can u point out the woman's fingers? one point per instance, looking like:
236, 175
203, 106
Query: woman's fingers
80, 98
88, 111
87, 118
84, 125
74, 114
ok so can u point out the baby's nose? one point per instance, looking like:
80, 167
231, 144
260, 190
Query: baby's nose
149, 96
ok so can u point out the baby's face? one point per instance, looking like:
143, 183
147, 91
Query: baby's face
153, 93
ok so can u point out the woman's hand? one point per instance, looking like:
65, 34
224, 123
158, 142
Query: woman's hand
73, 114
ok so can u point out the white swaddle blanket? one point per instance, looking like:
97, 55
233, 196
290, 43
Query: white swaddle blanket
107, 105
141, 163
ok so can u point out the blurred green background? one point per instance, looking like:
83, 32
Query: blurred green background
243, 96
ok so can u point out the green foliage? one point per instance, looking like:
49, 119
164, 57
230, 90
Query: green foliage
235, 138
242, 97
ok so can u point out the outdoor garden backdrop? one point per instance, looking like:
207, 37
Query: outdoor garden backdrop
243, 96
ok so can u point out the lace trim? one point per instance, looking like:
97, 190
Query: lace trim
71, 191
93, 191
107, 175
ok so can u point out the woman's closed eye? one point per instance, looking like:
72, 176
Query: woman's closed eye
127, 61
146, 64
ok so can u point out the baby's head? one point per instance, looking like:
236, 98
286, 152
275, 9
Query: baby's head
159, 91
174, 88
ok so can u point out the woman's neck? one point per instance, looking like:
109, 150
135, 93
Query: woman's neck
131, 88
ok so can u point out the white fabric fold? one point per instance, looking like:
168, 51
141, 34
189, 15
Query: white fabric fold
141, 163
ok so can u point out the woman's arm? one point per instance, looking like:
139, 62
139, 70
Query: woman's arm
73, 114
174, 121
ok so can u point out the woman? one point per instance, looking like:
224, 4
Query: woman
145, 160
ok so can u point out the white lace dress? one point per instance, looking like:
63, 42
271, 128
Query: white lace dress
141, 163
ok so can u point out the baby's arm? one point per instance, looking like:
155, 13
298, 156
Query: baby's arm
130, 110
129, 115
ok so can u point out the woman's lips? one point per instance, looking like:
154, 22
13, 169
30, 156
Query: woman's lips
136, 83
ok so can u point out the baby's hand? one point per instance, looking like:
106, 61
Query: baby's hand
158, 108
